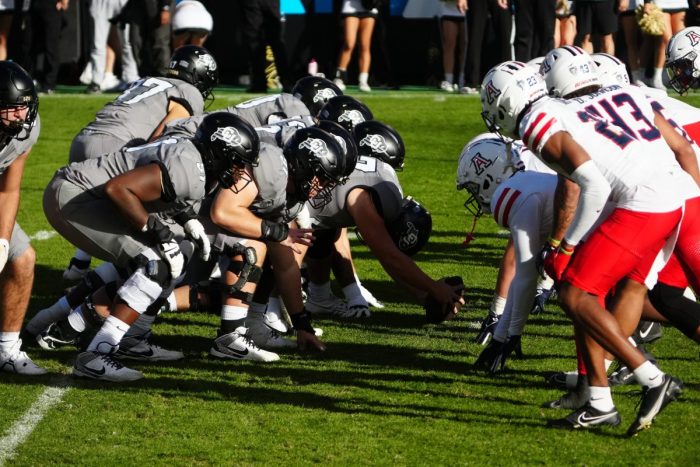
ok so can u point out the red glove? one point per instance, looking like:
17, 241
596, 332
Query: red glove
556, 262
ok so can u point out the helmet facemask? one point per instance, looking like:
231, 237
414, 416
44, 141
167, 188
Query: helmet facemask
681, 72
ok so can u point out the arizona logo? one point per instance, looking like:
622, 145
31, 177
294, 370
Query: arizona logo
693, 37
480, 163
376, 143
322, 95
228, 135
492, 92
409, 237
207, 61
352, 116
315, 145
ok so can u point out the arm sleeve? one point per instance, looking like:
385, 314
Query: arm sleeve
595, 190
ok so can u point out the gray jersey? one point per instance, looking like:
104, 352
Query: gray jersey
17, 147
181, 165
270, 109
371, 174
278, 133
140, 109
271, 175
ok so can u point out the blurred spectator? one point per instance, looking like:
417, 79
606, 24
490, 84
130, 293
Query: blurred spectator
191, 24
534, 28
636, 57
149, 33
478, 22
47, 17
565, 27
453, 27
597, 17
359, 18
262, 26
7, 12
674, 17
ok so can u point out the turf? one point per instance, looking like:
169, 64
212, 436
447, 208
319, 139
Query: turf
389, 390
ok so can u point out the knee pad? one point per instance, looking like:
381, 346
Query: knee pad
680, 311
154, 267
140, 291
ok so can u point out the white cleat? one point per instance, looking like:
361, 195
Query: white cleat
446, 86
141, 348
330, 305
364, 87
339, 82
275, 320
237, 345
103, 367
17, 361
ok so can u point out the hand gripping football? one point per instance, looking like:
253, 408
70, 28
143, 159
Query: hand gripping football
435, 312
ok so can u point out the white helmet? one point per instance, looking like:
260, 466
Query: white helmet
506, 91
486, 161
536, 63
611, 70
683, 59
569, 69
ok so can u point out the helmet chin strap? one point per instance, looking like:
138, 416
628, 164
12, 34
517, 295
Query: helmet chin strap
470, 236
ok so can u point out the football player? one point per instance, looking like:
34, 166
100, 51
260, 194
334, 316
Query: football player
139, 114
19, 130
647, 211
117, 207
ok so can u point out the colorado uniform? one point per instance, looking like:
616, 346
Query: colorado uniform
19, 242
76, 206
132, 117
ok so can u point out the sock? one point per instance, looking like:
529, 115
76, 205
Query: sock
497, 305
77, 320
461, 80
172, 302
657, 74
232, 317
341, 74
601, 398
8, 340
449, 77
141, 326
648, 374
44, 318
320, 291
80, 255
363, 78
107, 338
353, 295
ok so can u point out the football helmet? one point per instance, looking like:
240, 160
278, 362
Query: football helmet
536, 63
16, 90
316, 163
683, 59
346, 141
507, 90
315, 91
485, 162
411, 230
227, 143
569, 69
611, 70
345, 111
196, 66
378, 140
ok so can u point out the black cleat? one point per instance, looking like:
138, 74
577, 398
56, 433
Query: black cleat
647, 332
654, 400
574, 399
488, 326
586, 417
541, 298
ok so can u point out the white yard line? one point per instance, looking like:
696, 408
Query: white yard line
22, 428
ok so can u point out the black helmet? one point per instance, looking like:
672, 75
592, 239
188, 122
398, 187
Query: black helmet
17, 90
315, 91
347, 141
378, 140
345, 111
312, 152
227, 143
411, 230
196, 66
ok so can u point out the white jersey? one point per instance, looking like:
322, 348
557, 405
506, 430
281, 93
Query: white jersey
523, 204
643, 177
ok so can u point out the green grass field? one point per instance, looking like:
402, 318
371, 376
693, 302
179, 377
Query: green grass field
389, 390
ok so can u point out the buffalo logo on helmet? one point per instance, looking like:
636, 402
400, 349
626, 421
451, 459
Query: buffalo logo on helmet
207, 61
322, 95
353, 116
693, 37
228, 135
573, 70
376, 143
492, 92
480, 163
408, 237
315, 145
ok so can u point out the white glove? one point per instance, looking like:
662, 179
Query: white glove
304, 217
173, 256
195, 232
4, 252
367, 295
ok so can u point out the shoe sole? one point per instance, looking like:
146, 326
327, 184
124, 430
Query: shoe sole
138, 358
79, 374
215, 353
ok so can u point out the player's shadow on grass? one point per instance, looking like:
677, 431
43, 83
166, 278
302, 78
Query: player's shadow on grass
48, 287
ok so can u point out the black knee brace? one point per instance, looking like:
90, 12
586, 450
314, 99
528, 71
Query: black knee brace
682, 312
247, 271
89, 284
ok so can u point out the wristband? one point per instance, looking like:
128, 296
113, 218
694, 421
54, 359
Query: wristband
302, 322
566, 250
554, 242
275, 231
